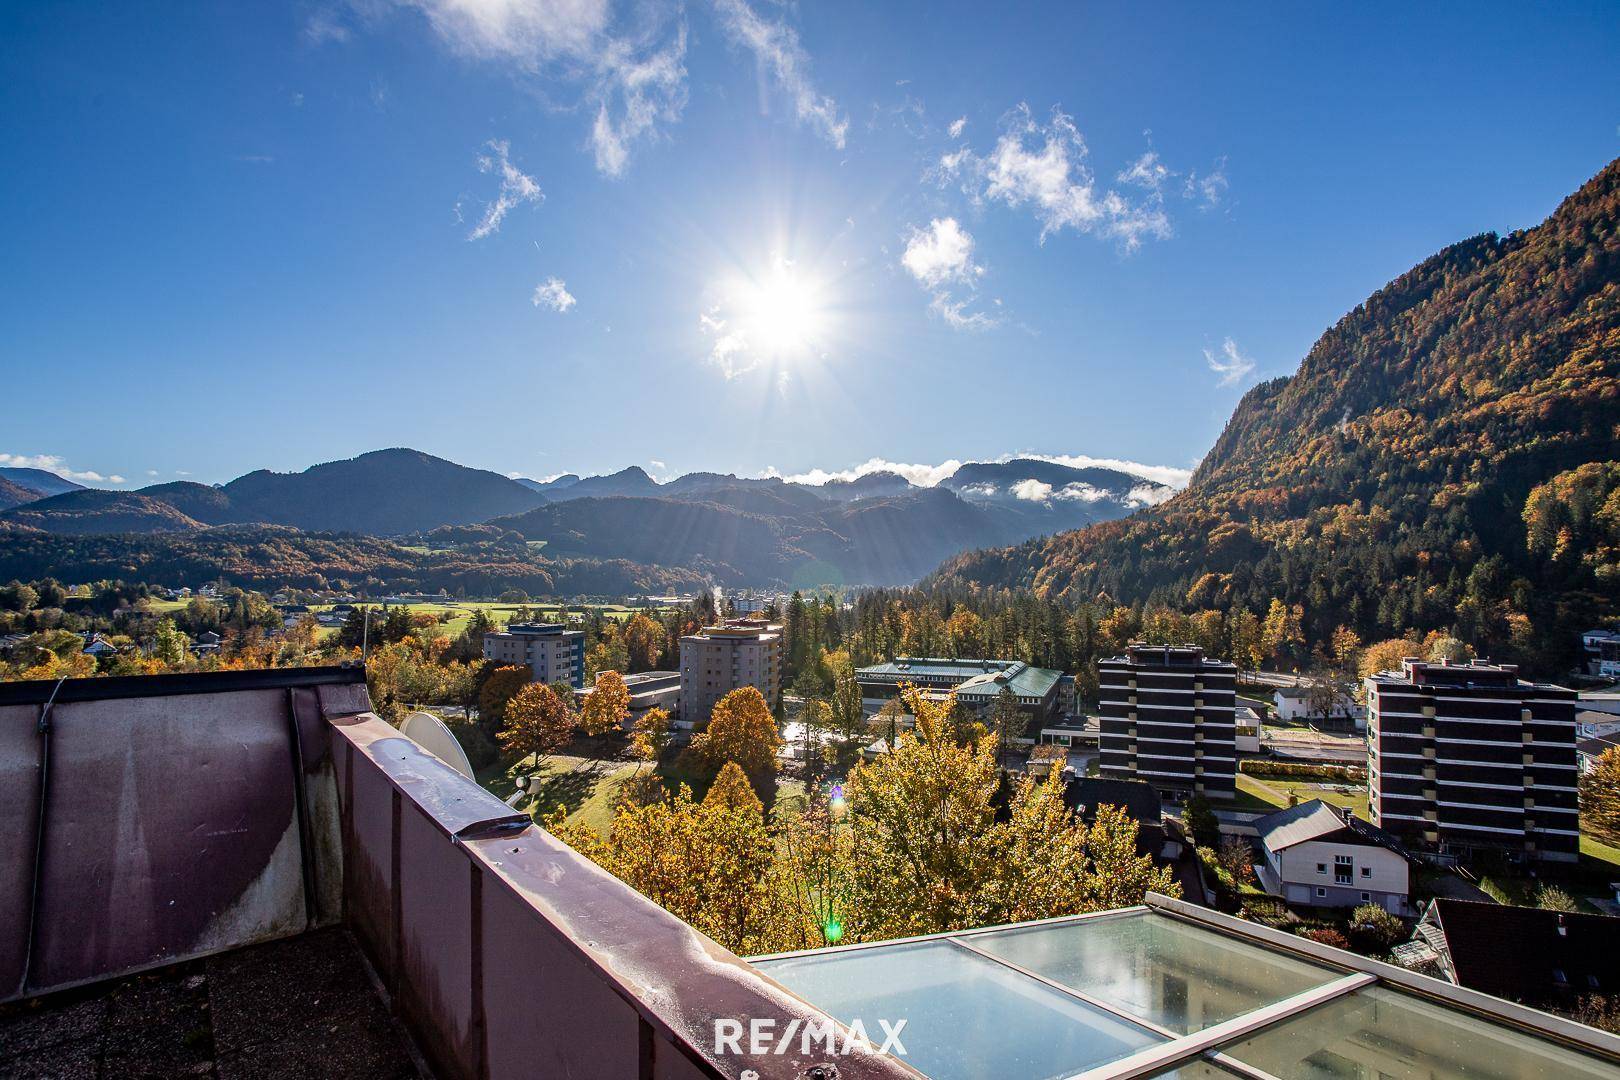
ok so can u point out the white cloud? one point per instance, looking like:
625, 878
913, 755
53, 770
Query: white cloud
655, 463
957, 127
1080, 493
941, 253
1231, 365
928, 475
552, 293
776, 46
56, 464
628, 82
151, 472
516, 188
940, 257
1032, 491
1148, 496
1041, 165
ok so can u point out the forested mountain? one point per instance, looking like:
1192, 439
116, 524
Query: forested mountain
876, 529
1444, 458
269, 555
14, 494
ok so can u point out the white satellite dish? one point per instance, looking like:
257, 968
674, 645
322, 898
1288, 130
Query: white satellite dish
429, 732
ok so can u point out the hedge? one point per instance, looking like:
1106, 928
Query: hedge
1299, 770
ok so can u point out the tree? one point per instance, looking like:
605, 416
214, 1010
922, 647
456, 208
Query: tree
1237, 859
1246, 634
500, 684
1007, 722
607, 706
846, 710
650, 736
1283, 635
741, 729
643, 642
1201, 823
927, 853
1600, 797
538, 723
168, 643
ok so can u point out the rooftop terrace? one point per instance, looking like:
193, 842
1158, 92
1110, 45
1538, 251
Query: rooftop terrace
250, 874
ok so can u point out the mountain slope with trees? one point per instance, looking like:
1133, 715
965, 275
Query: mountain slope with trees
1416, 473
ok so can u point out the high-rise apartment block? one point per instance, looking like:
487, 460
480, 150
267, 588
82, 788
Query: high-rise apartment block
550, 651
719, 659
1469, 756
1168, 717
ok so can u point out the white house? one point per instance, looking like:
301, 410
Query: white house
1313, 855
1294, 703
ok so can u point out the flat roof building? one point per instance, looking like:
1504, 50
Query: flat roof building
1470, 756
976, 683
719, 659
552, 652
1169, 717
648, 690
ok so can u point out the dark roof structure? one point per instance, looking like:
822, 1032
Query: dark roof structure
1530, 955
1136, 797
1316, 820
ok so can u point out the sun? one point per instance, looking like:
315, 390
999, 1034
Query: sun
781, 312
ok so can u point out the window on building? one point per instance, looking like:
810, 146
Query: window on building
1321, 868
1320, 891
1366, 871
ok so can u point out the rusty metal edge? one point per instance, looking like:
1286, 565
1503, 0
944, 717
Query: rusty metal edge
38, 691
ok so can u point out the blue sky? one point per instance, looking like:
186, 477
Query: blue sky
734, 235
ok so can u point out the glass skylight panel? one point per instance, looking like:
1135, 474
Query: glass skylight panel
1380, 1034
1197, 1069
965, 1016
1154, 967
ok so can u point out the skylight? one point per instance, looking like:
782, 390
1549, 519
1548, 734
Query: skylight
1172, 990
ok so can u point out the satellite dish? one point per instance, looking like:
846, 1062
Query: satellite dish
429, 732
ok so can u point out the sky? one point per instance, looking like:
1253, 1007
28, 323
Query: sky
734, 235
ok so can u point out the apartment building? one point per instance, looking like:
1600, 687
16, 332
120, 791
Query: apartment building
1168, 717
550, 650
719, 659
1469, 756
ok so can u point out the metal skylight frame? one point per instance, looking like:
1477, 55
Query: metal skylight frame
1357, 973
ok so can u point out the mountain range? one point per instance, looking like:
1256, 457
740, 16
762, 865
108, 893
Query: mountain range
1447, 457
877, 529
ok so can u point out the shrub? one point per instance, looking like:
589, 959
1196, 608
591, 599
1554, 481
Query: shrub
1326, 935
1301, 770
1374, 930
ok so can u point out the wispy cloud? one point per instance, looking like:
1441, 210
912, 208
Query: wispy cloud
728, 348
957, 127
1041, 165
776, 47
940, 257
56, 464
553, 293
516, 188
1231, 365
629, 78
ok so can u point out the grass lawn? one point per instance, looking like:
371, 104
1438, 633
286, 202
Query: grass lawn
1265, 794
1596, 851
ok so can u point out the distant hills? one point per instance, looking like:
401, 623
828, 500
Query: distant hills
19, 485
1447, 457
877, 529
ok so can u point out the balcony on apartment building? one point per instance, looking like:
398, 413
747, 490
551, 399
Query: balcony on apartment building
251, 874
